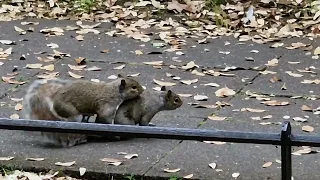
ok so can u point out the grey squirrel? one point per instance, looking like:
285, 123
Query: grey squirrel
143, 108
67, 100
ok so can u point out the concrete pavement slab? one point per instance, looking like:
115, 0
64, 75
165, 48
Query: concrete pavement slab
303, 68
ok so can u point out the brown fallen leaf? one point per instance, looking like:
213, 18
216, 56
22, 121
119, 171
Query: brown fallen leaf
307, 128
34, 66
110, 160
120, 67
213, 165
214, 142
272, 62
275, 103
302, 151
75, 75
188, 176
200, 97
254, 110
211, 84
290, 73
216, 118
66, 164
130, 156
93, 68
299, 119
171, 170
235, 175
14, 116
6, 158
225, 92
82, 171
48, 67
154, 63
77, 68
267, 164
80, 60
48, 75
105, 51
306, 108
162, 83
79, 38
138, 52
189, 65
18, 107
189, 82
34, 159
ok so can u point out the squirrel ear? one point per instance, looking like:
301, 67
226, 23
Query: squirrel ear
122, 84
163, 88
169, 93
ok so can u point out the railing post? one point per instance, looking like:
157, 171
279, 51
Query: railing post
286, 163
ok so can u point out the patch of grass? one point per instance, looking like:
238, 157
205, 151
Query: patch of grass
85, 5
174, 178
7, 169
131, 177
212, 4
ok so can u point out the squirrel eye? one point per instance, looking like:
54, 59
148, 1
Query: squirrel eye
176, 100
134, 87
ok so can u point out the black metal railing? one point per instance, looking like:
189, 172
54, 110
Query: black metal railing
285, 139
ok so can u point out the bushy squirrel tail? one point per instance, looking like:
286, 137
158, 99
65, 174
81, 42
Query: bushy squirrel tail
36, 100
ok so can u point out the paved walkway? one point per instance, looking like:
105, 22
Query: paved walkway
247, 61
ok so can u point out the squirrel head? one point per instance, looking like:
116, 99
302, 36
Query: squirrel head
129, 88
172, 100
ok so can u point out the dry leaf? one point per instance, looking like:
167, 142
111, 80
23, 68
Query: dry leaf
213, 165
66, 164
171, 170
34, 159
211, 84
138, 52
255, 110
190, 65
200, 97
216, 118
75, 75
154, 63
110, 160
48, 67
189, 82
224, 92
93, 68
275, 103
307, 128
306, 108
6, 158
76, 68
113, 77
120, 67
235, 175
188, 176
14, 116
302, 151
299, 119
130, 156
317, 51
185, 95
267, 164
80, 60
18, 107
53, 45
82, 171
290, 73
162, 83
273, 62
34, 66
214, 142
79, 38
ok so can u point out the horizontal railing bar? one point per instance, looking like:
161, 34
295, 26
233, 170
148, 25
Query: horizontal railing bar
140, 131
305, 140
